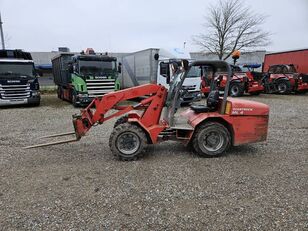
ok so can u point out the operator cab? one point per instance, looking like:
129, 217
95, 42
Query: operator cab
209, 68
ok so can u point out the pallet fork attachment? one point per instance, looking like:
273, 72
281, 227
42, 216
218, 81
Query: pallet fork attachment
76, 138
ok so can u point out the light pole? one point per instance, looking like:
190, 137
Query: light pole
1, 33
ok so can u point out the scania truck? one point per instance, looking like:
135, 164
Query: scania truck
157, 66
18, 79
82, 77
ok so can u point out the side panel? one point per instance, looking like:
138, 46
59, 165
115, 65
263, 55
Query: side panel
244, 129
60, 70
138, 68
298, 58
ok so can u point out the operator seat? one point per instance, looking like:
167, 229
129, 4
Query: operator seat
211, 103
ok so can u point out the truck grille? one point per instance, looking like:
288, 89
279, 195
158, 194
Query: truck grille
14, 91
99, 87
189, 88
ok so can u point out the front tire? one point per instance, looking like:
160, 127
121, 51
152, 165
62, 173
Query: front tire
211, 140
236, 89
128, 142
121, 120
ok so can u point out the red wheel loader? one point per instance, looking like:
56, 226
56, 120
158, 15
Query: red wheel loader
210, 128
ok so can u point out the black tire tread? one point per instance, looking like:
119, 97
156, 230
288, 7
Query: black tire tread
132, 128
200, 129
121, 120
240, 87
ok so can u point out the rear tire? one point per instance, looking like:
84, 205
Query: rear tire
211, 139
283, 87
236, 89
128, 142
59, 92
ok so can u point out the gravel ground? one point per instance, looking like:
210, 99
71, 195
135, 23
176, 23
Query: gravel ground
80, 186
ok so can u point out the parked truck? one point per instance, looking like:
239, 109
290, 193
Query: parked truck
18, 79
158, 66
82, 77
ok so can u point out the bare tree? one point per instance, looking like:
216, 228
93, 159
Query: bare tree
230, 26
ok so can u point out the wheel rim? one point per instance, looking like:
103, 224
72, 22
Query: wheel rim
282, 87
128, 143
212, 141
234, 90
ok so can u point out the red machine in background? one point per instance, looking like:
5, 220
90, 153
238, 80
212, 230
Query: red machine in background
210, 129
286, 71
284, 79
241, 82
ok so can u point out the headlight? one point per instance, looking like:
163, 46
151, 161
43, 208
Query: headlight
35, 93
83, 95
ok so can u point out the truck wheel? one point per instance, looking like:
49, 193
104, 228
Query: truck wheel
128, 142
121, 120
74, 99
59, 92
236, 89
283, 87
211, 139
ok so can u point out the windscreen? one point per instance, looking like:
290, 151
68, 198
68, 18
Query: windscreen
16, 69
194, 72
96, 67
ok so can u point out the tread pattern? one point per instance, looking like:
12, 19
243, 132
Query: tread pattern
118, 130
218, 127
240, 89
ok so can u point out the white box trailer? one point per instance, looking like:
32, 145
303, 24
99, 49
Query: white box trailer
154, 66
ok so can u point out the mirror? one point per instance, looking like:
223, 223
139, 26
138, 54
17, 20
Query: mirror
120, 67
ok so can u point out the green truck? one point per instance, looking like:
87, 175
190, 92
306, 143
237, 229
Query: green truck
82, 77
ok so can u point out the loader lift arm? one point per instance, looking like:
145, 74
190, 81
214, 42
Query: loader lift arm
96, 112
152, 106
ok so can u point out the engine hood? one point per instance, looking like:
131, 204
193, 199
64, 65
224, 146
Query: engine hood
247, 107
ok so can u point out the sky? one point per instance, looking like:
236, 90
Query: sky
131, 25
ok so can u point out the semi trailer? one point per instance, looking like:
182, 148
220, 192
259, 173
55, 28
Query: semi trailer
82, 77
157, 66
18, 79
